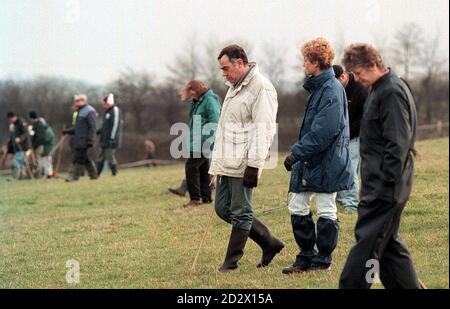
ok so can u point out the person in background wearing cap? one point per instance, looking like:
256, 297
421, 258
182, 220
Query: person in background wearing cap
18, 145
37, 133
110, 135
356, 97
83, 133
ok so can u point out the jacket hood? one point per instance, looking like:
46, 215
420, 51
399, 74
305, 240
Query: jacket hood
316, 82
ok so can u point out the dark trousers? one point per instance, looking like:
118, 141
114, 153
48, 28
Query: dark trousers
83, 157
198, 179
378, 243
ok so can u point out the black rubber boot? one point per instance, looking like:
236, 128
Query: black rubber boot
92, 170
99, 166
114, 169
77, 172
235, 251
181, 190
270, 245
305, 235
327, 238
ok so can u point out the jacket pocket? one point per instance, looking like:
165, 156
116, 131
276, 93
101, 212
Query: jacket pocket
235, 151
313, 176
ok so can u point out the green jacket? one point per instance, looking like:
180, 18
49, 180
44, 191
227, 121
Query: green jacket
203, 118
49, 141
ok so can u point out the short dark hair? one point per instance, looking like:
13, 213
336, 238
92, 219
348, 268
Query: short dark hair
338, 70
234, 52
33, 115
362, 55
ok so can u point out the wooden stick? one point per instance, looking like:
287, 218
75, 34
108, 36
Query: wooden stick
27, 166
147, 162
205, 234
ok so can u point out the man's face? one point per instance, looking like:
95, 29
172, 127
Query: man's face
311, 68
366, 76
12, 120
232, 71
80, 102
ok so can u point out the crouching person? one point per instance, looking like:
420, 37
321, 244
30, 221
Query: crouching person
18, 146
238, 156
319, 161
110, 135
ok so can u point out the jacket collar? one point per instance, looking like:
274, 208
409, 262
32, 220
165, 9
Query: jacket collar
316, 82
252, 71
202, 97
383, 78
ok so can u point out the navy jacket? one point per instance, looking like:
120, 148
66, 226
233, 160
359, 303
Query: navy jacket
321, 153
84, 129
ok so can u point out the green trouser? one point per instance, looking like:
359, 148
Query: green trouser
233, 202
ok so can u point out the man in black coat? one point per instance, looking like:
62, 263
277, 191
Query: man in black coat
356, 97
110, 135
387, 136
18, 145
83, 134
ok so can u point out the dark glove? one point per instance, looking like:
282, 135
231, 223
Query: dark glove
89, 144
251, 177
288, 162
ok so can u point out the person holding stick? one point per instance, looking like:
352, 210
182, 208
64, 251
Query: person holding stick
18, 145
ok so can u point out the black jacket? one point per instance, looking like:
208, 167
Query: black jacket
84, 129
111, 130
39, 129
18, 130
356, 97
387, 136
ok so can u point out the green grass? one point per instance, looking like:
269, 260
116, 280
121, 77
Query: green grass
129, 232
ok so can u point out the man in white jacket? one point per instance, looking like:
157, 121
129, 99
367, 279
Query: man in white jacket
244, 134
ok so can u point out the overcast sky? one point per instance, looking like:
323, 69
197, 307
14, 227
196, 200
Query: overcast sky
94, 40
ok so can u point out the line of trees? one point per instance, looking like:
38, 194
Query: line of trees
151, 107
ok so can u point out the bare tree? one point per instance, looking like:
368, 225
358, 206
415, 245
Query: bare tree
187, 64
273, 62
407, 48
433, 65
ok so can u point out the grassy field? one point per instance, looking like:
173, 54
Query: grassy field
129, 232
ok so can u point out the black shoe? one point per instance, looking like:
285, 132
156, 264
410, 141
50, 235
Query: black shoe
270, 245
319, 266
235, 251
192, 203
114, 170
293, 270
207, 201
302, 264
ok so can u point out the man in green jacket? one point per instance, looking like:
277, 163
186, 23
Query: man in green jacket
204, 113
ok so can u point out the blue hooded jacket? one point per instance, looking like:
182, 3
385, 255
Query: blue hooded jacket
322, 162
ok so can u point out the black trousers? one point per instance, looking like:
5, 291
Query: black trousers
378, 244
84, 157
198, 179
